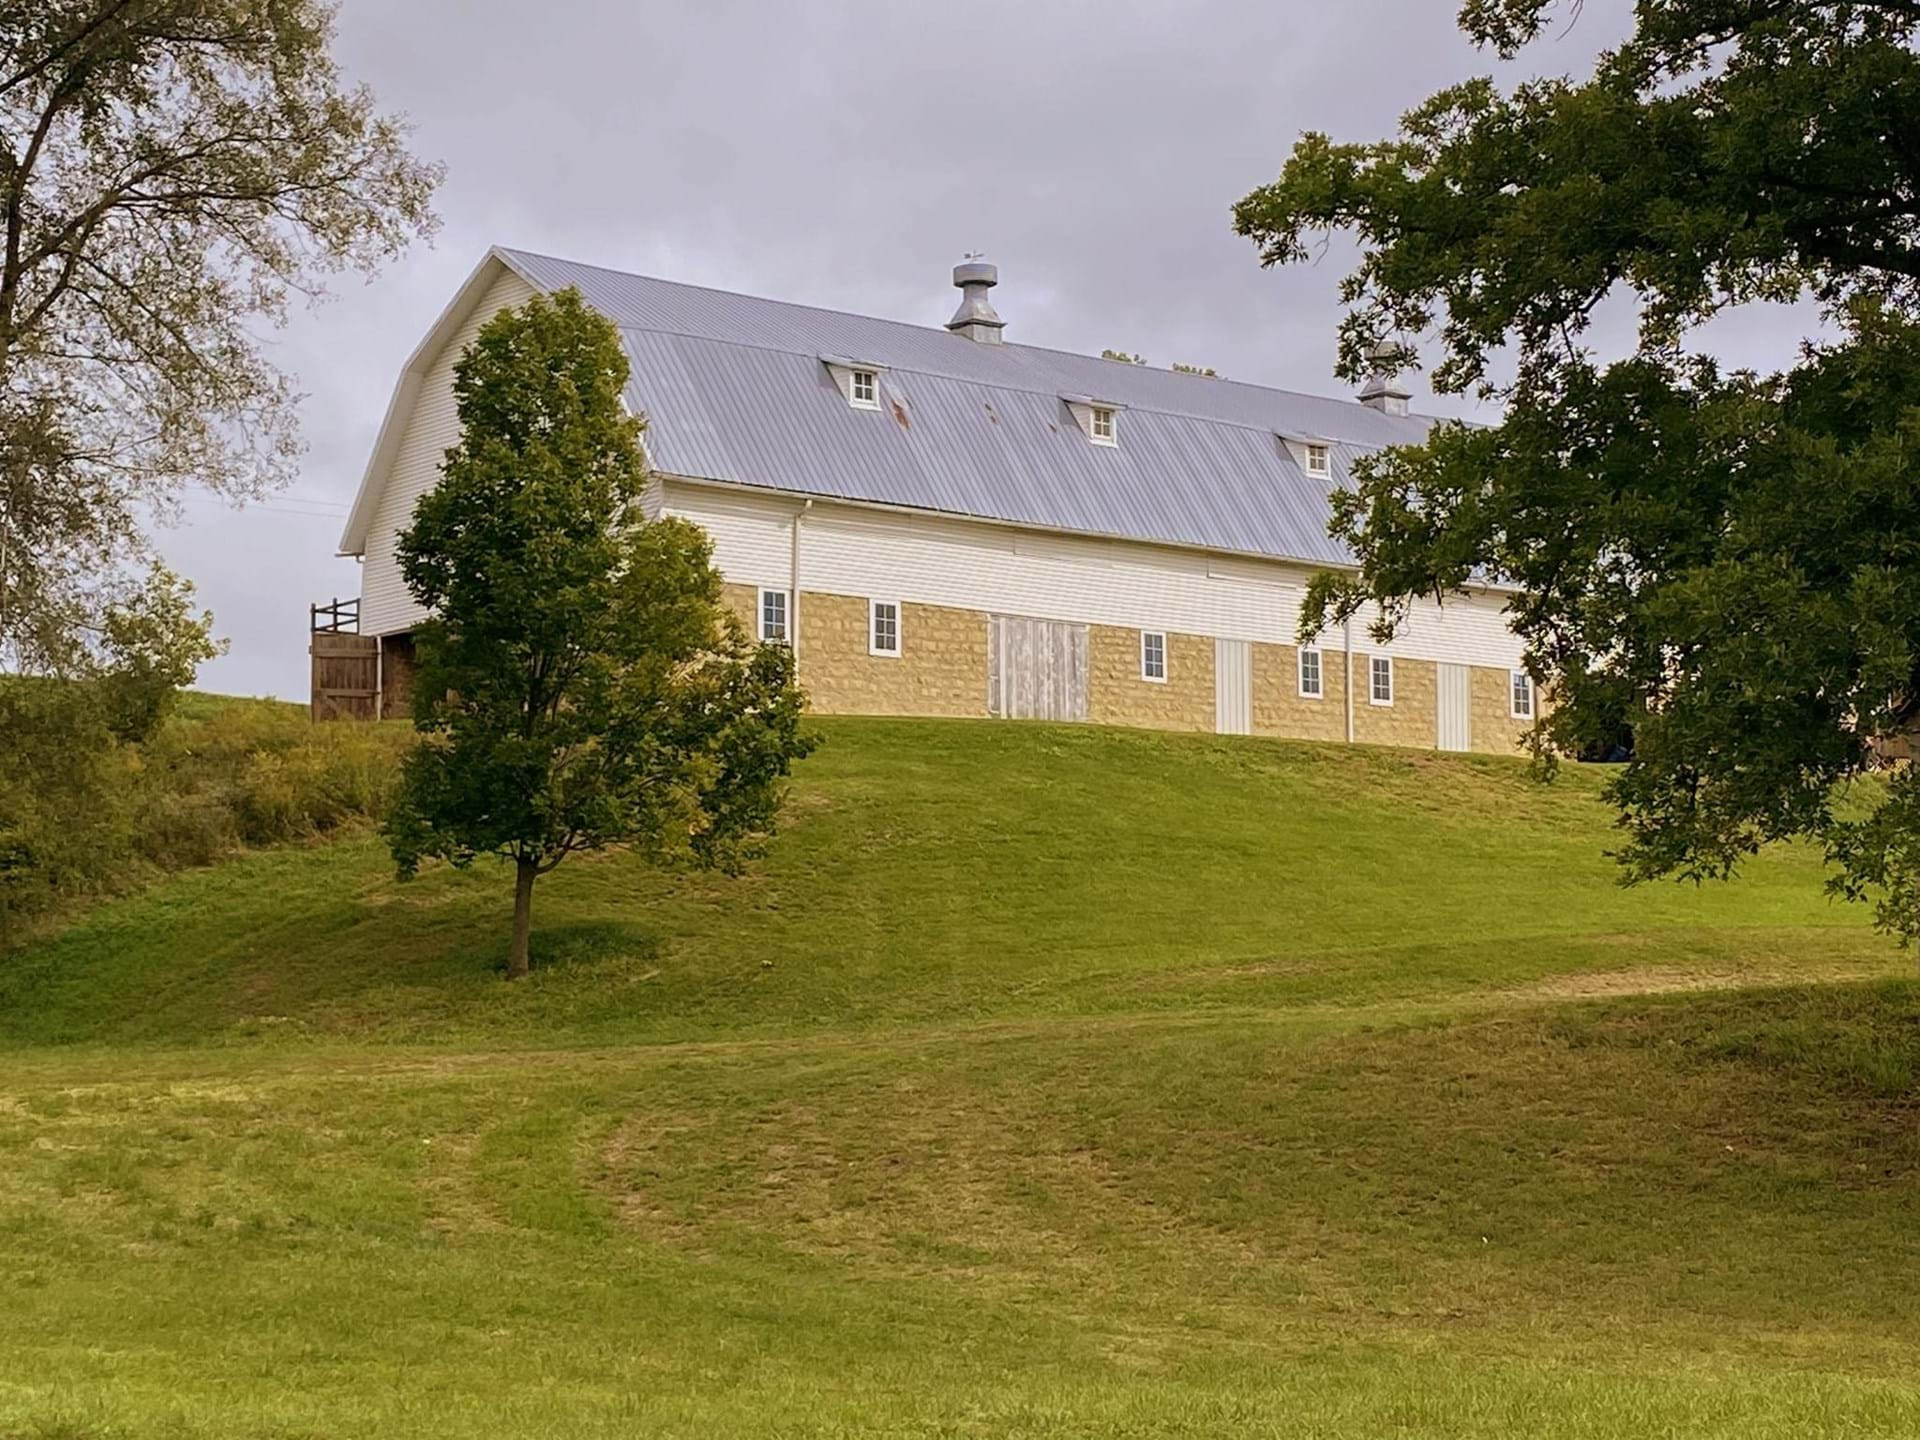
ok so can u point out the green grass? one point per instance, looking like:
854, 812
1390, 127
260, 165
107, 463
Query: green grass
1041, 1082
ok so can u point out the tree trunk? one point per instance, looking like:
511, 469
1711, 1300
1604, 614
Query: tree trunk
523, 878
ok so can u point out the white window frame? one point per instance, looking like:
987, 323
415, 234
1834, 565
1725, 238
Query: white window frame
786, 616
1146, 674
1319, 459
1319, 691
1515, 679
1099, 415
873, 629
1374, 662
871, 400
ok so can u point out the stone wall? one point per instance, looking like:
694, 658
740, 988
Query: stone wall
744, 601
1118, 695
1278, 706
1412, 718
1495, 731
941, 668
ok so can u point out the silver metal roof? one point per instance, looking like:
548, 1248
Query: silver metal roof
735, 389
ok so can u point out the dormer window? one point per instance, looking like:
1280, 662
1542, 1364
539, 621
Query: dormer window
858, 381
1099, 420
1318, 464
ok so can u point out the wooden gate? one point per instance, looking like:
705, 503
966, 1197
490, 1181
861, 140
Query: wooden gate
1232, 687
1453, 725
346, 675
1036, 669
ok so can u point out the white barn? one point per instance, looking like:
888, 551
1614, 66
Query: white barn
942, 523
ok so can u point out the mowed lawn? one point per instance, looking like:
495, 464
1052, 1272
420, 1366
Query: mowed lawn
1043, 1081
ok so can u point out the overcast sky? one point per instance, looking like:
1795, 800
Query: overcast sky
845, 155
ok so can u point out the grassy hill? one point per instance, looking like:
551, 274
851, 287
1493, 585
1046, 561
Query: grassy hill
1044, 1081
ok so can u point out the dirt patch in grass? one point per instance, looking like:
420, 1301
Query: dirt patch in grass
1646, 981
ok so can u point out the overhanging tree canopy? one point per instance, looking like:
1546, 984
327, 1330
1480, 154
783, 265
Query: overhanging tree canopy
171, 171
1724, 565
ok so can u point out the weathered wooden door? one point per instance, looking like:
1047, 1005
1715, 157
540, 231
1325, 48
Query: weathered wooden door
1232, 687
1036, 669
1453, 725
346, 676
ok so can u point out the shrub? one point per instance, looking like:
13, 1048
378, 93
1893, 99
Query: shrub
329, 777
218, 775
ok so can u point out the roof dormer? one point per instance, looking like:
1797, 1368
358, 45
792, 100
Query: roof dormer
859, 380
1099, 420
1312, 453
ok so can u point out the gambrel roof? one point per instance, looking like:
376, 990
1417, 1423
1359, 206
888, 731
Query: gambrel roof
740, 390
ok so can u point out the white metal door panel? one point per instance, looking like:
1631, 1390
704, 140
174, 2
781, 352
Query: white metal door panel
1232, 687
1036, 669
1453, 726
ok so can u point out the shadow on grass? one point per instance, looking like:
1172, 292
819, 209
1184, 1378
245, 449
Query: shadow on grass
592, 943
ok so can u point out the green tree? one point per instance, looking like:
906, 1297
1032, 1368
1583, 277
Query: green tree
581, 684
171, 172
1722, 566
71, 763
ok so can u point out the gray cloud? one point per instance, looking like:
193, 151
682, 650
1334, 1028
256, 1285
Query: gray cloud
843, 155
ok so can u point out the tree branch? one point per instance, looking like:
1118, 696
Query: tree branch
17, 181
65, 47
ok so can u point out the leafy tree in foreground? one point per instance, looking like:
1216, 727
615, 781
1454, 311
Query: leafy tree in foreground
170, 172
1721, 565
580, 685
69, 744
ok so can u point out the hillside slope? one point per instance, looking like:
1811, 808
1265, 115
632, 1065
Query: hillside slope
932, 872
1043, 1081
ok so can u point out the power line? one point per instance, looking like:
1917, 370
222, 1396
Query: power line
255, 505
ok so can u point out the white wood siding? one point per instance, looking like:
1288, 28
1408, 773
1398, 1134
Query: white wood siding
431, 429
652, 497
851, 550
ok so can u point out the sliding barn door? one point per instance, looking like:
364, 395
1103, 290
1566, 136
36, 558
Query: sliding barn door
1036, 669
1232, 687
1453, 726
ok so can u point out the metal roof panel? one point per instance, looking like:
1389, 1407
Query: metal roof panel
734, 390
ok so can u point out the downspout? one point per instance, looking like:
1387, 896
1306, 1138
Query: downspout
793, 604
379, 677
1346, 630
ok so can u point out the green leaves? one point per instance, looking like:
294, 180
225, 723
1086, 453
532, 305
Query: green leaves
580, 685
1721, 571
72, 744
1508, 218
171, 172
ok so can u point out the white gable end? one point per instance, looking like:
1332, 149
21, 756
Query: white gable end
423, 430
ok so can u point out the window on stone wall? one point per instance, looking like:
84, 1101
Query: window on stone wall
883, 627
1153, 655
1310, 684
1381, 671
1522, 689
773, 616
